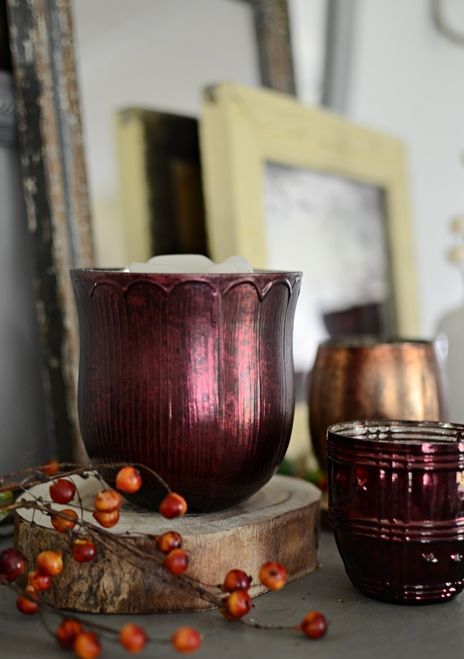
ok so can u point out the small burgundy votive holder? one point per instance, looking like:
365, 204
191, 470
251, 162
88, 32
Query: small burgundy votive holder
396, 504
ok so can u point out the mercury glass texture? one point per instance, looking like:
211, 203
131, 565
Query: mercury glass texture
373, 378
396, 503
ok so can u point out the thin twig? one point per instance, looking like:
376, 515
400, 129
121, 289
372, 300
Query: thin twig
37, 471
249, 622
108, 540
74, 470
111, 541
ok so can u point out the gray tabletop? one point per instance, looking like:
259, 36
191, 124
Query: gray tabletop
359, 627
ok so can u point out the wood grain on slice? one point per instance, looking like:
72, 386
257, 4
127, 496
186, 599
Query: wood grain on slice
278, 523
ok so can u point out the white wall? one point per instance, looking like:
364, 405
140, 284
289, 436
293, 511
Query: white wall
150, 53
408, 80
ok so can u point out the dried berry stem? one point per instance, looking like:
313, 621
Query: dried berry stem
249, 622
34, 475
113, 542
145, 555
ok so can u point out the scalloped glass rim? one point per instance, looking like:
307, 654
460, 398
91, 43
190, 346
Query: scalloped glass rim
125, 271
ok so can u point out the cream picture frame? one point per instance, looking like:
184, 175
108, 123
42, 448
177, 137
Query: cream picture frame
242, 128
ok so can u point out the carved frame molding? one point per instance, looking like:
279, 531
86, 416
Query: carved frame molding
56, 196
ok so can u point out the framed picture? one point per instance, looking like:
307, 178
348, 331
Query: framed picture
54, 184
292, 187
160, 186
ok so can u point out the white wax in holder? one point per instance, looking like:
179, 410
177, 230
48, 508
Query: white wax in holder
190, 264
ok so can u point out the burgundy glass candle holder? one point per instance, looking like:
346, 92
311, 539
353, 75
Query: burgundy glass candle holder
191, 375
396, 503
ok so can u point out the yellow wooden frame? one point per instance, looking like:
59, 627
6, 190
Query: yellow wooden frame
242, 128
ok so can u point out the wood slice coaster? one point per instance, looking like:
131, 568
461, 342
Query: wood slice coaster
278, 523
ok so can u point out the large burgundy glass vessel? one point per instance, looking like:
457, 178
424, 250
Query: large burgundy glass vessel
191, 375
396, 501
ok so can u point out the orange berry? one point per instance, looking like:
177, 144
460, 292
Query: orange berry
236, 580
314, 624
173, 505
177, 561
169, 541
39, 581
63, 524
51, 468
107, 520
186, 639
129, 480
83, 550
67, 632
49, 562
26, 604
106, 501
133, 638
62, 490
87, 646
237, 604
273, 575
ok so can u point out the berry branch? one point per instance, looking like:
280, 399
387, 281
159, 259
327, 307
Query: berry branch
165, 552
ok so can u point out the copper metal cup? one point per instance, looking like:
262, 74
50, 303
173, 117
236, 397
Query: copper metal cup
191, 375
396, 504
372, 378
